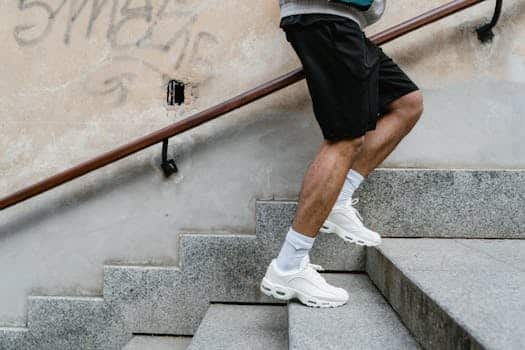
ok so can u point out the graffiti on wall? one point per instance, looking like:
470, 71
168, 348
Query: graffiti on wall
115, 18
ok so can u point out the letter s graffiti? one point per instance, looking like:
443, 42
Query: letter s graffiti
19, 30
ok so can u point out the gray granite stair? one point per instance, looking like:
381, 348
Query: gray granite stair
455, 293
151, 342
75, 323
411, 203
241, 327
365, 322
172, 299
218, 268
67, 323
444, 203
14, 338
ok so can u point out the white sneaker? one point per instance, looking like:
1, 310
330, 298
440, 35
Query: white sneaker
345, 221
306, 284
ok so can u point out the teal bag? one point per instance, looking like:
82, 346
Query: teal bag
361, 5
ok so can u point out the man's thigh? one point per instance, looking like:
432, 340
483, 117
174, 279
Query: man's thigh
341, 73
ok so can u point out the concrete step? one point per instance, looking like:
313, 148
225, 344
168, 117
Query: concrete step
366, 322
155, 299
455, 293
13, 338
150, 342
241, 327
216, 268
75, 323
413, 203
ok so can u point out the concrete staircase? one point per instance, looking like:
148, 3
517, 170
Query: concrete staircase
445, 294
366, 322
171, 300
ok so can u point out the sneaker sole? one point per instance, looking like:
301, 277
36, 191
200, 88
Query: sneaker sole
329, 227
284, 293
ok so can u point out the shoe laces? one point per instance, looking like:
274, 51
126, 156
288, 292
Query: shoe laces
312, 271
316, 267
349, 204
313, 266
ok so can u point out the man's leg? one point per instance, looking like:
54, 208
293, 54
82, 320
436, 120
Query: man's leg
329, 69
402, 115
290, 275
322, 183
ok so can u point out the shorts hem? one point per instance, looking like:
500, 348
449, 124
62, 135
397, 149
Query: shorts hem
342, 137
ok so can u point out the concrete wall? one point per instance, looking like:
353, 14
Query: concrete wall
81, 77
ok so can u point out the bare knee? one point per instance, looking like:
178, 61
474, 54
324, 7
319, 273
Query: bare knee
409, 107
412, 106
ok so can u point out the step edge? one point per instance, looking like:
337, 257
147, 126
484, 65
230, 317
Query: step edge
65, 298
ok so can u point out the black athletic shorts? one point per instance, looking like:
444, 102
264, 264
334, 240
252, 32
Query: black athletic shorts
351, 80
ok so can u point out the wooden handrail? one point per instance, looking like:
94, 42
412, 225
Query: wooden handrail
220, 109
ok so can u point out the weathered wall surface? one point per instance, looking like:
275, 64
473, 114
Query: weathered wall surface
474, 92
78, 78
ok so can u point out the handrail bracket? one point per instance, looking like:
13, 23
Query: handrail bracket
485, 33
168, 165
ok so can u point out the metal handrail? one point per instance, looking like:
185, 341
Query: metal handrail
220, 109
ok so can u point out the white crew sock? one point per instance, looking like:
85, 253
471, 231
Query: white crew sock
352, 182
295, 247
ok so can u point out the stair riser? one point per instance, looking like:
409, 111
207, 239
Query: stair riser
74, 323
15, 339
152, 300
445, 203
429, 203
